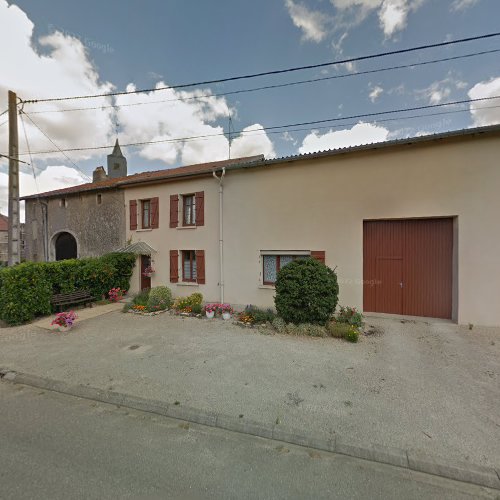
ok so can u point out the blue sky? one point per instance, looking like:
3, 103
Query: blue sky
65, 48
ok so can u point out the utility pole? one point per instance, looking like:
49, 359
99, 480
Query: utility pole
14, 232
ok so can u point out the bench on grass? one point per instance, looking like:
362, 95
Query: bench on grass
77, 297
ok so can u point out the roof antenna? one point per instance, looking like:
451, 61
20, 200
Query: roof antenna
229, 127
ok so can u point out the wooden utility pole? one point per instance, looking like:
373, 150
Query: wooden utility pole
14, 233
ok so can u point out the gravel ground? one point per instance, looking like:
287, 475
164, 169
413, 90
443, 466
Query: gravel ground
431, 386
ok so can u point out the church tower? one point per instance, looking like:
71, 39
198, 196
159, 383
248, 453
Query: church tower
117, 163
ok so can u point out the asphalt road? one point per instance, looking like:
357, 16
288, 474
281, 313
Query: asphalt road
56, 446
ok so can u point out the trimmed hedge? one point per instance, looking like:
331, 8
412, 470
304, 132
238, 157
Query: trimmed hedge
306, 292
26, 289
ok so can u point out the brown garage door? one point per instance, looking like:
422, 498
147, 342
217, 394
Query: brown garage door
407, 267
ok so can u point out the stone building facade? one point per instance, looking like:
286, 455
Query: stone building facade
80, 221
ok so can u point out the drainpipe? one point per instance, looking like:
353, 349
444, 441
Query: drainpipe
221, 238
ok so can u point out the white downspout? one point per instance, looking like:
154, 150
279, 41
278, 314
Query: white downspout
221, 235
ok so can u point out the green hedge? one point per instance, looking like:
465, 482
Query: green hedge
26, 289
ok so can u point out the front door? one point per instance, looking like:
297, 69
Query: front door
145, 280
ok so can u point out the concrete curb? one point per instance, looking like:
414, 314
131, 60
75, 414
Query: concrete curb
408, 459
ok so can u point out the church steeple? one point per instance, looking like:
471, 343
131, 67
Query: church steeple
117, 163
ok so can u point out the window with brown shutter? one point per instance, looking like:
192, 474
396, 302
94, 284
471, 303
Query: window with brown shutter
146, 214
155, 213
188, 210
200, 266
174, 210
133, 214
318, 255
200, 208
174, 266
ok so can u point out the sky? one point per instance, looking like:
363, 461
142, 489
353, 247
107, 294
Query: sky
61, 48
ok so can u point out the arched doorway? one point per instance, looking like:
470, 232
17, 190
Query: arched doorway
65, 246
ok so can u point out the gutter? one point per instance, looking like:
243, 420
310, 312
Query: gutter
221, 233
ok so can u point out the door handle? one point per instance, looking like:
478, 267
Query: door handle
401, 284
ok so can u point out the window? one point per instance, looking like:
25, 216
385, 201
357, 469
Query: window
99, 199
63, 203
188, 210
271, 264
189, 265
146, 213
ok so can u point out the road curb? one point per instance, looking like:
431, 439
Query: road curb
408, 459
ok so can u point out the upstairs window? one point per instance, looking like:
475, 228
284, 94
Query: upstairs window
99, 198
146, 213
188, 210
63, 203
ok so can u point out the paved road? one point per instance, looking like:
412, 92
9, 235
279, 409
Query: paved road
56, 446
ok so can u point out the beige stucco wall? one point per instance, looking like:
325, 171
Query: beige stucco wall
165, 238
320, 204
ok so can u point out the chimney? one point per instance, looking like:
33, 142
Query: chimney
99, 175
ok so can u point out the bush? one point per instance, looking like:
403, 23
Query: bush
352, 334
259, 315
186, 304
160, 298
337, 330
279, 324
141, 299
196, 308
306, 292
26, 289
350, 316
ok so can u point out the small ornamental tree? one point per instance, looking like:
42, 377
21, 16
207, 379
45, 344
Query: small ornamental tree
306, 292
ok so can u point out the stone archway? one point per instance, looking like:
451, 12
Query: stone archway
65, 246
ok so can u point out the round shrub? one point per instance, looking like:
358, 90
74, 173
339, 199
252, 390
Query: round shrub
160, 297
306, 292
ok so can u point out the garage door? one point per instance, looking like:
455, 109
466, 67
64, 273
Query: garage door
408, 267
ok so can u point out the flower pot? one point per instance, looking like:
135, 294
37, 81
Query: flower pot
226, 315
210, 314
148, 275
63, 329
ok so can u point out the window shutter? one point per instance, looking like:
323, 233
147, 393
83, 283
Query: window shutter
174, 210
133, 214
318, 255
174, 266
200, 208
155, 213
200, 266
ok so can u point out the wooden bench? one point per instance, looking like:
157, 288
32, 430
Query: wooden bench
77, 297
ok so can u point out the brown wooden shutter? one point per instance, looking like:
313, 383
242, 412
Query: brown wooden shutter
318, 255
174, 210
200, 208
174, 266
133, 214
200, 266
155, 213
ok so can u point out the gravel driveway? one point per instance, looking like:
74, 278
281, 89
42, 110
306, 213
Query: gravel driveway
431, 386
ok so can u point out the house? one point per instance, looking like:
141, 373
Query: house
4, 240
409, 225
81, 221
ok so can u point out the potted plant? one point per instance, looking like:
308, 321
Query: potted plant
226, 310
210, 310
64, 320
148, 271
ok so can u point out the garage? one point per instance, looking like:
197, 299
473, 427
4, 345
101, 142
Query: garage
408, 267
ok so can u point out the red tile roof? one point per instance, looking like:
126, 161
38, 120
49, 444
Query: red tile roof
156, 175
4, 223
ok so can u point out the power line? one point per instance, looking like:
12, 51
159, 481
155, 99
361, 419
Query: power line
275, 72
268, 129
267, 87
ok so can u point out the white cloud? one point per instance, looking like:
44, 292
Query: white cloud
53, 177
65, 69
312, 23
252, 141
440, 90
463, 4
392, 14
362, 133
480, 115
375, 93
